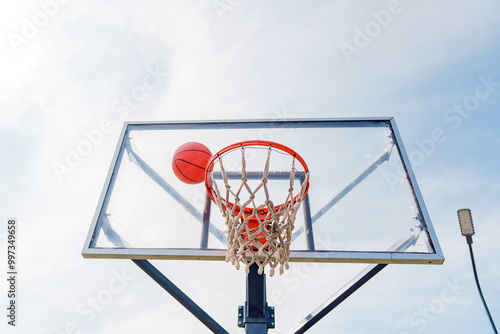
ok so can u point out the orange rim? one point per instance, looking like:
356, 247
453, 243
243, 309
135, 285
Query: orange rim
264, 143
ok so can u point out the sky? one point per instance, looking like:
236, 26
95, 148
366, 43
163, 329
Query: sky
71, 69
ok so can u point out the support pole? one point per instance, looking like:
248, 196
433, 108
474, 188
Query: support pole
180, 296
348, 289
205, 222
256, 317
337, 298
308, 223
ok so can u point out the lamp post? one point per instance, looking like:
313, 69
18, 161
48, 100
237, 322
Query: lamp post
467, 229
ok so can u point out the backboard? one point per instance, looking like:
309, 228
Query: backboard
363, 204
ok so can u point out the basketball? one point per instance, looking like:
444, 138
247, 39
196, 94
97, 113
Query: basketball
189, 162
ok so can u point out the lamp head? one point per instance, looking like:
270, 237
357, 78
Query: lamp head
465, 220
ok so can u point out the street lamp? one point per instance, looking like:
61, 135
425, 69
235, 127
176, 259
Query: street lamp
467, 229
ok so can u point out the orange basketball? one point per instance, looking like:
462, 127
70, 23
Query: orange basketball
189, 162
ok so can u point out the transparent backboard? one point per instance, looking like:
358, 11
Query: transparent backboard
363, 204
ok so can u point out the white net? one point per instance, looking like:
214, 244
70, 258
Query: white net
258, 231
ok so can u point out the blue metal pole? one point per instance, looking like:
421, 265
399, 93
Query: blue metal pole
180, 296
256, 302
348, 289
205, 222
337, 299
256, 316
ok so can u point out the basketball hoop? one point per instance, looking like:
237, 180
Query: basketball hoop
258, 231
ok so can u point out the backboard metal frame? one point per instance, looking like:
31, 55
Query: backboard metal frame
382, 257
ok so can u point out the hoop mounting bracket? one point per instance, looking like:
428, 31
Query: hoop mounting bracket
243, 319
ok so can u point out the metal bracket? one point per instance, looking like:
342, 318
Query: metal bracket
243, 317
